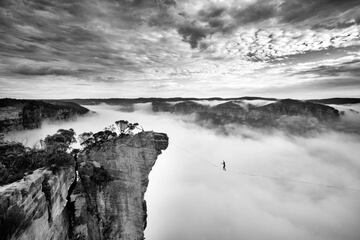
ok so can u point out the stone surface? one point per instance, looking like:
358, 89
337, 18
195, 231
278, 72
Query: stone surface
104, 199
40, 201
115, 209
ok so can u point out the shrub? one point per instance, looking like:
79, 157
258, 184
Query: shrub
16, 160
85, 137
60, 140
56, 160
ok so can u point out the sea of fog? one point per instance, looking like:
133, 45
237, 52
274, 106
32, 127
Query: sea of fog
275, 187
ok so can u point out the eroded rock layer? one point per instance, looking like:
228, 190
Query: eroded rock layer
35, 207
115, 208
102, 199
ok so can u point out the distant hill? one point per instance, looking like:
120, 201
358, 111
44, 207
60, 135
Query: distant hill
337, 101
115, 101
253, 111
292, 115
19, 114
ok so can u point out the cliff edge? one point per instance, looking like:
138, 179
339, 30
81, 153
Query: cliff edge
34, 208
109, 197
28, 114
102, 197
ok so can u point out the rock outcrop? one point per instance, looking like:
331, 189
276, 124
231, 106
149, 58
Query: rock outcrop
28, 114
114, 207
102, 197
35, 207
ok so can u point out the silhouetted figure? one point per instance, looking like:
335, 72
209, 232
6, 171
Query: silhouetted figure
224, 165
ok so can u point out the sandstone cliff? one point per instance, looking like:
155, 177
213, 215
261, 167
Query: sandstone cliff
35, 207
101, 198
28, 114
115, 208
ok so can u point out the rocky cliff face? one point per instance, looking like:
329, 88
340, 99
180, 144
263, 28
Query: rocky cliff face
35, 207
28, 114
101, 198
287, 114
115, 208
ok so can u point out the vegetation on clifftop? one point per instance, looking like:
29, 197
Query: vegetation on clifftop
16, 160
121, 128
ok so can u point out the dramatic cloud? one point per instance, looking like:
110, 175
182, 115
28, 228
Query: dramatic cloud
351, 68
166, 43
192, 34
303, 10
44, 70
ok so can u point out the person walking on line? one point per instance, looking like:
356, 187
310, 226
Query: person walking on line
224, 165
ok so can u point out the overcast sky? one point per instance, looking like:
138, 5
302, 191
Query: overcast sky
164, 48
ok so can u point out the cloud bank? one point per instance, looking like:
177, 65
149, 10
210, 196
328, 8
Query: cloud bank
191, 197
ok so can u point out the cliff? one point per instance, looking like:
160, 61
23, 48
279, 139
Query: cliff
287, 114
35, 207
245, 110
28, 114
115, 208
101, 198
127, 101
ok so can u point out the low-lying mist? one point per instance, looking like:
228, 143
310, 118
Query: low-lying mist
277, 186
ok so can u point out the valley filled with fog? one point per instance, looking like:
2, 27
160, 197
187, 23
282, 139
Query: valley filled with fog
277, 186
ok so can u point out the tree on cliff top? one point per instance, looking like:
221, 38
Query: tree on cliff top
125, 127
122, 125
86, 139
17, 160
60, 141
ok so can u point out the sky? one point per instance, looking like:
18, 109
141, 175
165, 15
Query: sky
167, 48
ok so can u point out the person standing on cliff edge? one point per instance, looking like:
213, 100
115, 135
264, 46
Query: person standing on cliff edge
224, 165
